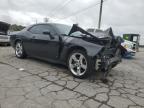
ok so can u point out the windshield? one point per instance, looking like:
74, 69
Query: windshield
77, 34
63, 29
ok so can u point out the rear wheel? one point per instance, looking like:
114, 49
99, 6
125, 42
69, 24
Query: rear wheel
78, 64
19, 50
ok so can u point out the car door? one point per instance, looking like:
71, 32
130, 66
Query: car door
44, 41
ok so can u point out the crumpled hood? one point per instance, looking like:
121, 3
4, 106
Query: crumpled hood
98, 34
4, 27
76, 28
108, 33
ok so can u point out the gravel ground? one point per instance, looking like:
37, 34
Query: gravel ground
31, 83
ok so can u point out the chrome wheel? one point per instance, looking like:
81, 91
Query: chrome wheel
18, 49
78, 64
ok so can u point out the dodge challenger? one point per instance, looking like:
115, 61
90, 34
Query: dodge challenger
81, 51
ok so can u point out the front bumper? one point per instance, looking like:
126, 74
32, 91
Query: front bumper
104, 63
4, 39
129, 54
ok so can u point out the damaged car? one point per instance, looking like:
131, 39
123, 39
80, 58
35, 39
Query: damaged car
4, 38
72, 46
128, 48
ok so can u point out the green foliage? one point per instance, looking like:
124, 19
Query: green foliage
15, 27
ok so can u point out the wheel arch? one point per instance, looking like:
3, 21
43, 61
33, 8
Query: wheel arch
75, 48
24, 55
89, 68
16, 40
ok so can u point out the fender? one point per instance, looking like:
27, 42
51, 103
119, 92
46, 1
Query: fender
91, 49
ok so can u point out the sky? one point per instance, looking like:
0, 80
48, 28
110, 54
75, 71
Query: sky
124, 16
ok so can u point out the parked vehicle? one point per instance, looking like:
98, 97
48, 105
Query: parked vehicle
81, 51
4, 38
133, 38
128, 48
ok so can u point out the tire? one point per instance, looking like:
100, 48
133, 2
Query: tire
78, 64
19, 50
118, 54
114, 65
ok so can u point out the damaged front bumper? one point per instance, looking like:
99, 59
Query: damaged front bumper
129, 54
105, 62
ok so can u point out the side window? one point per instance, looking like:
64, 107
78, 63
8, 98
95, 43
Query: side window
39, 29
36, 29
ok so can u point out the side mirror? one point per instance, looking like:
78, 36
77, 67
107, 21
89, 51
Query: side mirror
48, 33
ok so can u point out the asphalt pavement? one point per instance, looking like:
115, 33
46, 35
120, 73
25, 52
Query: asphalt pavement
32, 83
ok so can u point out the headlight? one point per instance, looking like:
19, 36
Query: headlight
126, 46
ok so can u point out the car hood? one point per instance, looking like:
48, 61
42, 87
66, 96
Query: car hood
4, 27
128, 45
76, 28
98, 34
13, 33
104, 34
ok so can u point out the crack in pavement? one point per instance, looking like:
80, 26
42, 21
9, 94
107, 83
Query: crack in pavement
44, 85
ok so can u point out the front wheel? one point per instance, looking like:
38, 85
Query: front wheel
19, 50
118, 54
78, 64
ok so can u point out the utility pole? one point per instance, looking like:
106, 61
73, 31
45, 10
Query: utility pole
46, 20
100, 15
36, 20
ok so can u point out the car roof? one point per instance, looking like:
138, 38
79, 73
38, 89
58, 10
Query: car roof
48, 24
28, 27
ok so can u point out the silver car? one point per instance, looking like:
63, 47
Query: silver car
4, 38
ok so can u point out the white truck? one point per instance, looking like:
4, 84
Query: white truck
129, 48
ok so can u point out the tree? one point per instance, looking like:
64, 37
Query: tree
15, 27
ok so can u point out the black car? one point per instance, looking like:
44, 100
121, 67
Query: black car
72, 46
